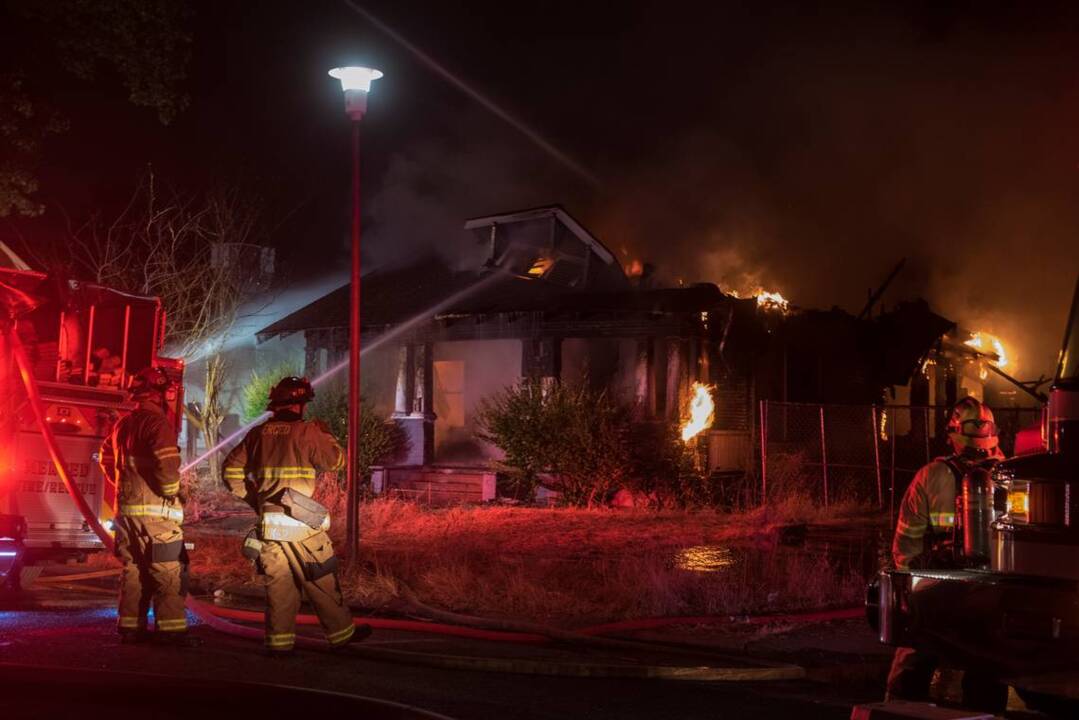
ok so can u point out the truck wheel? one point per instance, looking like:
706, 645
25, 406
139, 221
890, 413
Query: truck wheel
1052, 705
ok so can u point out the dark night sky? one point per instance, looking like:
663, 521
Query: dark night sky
805, 147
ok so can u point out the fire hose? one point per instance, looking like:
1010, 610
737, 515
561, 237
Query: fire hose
27, 375
465, 626
214, 616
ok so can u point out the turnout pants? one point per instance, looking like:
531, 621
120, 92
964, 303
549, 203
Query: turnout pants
292, 569
152, 551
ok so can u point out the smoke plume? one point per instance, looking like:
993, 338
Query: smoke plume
803, 151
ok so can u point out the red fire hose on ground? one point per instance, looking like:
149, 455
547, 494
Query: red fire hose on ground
506, 636
218, 617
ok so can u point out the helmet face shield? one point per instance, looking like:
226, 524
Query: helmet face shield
971, 425
978, 428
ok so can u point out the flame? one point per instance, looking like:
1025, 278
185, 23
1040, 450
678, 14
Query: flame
772, 301
983, 341
540, 267
635, 269
884, 424
702, 409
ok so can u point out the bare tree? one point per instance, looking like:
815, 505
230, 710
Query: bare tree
203, 254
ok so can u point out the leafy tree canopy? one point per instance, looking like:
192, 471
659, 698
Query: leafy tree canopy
144, 45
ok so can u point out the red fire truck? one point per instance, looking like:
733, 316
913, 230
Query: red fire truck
81, 342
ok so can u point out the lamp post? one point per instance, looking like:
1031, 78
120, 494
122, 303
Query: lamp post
356, 84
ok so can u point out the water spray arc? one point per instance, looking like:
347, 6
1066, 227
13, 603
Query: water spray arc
483, 100
408, 325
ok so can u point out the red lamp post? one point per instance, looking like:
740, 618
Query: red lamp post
356, 84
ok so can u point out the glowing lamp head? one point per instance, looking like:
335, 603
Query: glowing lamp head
356, 78
356, 83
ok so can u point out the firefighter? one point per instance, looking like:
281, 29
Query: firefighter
274, 470
141, 456
924, 539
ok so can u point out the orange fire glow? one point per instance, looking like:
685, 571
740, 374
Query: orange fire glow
635, 269
702, 410
772, 301
990, 345
540, 267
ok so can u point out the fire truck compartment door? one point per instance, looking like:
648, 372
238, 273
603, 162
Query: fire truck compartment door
52, 518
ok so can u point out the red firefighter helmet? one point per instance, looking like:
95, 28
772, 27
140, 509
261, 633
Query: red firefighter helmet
291, 391
149, 381
971, 425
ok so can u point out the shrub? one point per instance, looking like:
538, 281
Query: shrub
380, 439
573, 435
662, 466
257, 391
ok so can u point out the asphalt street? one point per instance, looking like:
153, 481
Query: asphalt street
71, 630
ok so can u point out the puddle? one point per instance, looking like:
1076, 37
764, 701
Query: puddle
704, 558
857, 551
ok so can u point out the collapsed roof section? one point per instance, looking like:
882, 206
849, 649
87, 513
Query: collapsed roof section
548, 244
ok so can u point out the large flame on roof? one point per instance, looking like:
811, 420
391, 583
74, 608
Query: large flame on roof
772, 301
702, 410
989, 344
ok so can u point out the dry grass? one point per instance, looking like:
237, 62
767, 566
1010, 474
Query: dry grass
573, 566
566, 567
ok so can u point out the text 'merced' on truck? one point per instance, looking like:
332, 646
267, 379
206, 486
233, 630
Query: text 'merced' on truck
1010, 606
82, 342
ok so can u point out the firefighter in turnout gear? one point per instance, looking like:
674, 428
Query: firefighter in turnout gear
142, 458
274, 470
924, 539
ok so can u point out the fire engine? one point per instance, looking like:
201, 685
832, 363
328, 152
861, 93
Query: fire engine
1010, 605
80, 344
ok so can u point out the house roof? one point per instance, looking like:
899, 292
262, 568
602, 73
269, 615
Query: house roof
429, 289
550, 211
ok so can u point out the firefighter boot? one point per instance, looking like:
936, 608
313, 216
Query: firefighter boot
361, 633
177, 639
279, 654
134, 637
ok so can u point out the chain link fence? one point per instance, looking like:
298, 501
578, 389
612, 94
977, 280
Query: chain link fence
858, 453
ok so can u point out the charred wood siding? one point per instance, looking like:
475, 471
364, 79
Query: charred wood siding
734, 409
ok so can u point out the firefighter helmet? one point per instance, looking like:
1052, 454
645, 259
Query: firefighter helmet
291, 391
971, 425
150, 380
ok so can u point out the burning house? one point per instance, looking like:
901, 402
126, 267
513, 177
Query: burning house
552, 302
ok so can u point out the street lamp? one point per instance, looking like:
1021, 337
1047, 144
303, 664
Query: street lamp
356, 84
